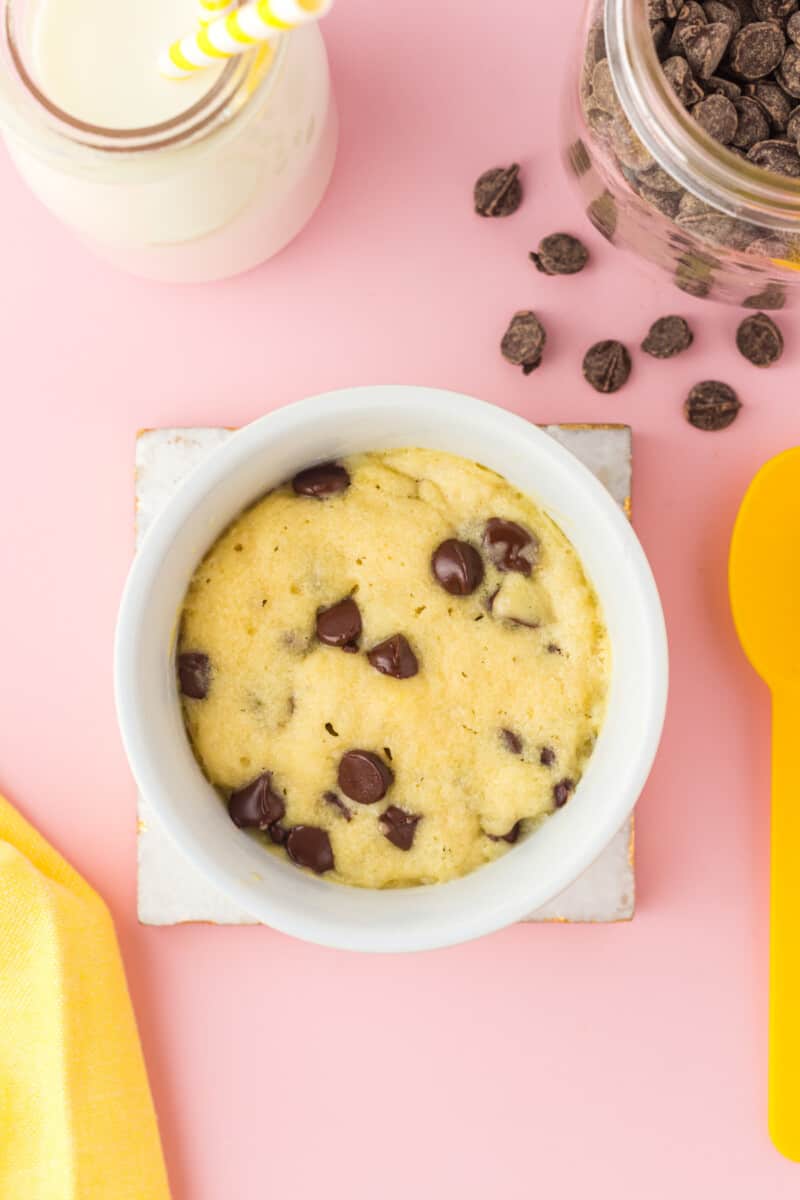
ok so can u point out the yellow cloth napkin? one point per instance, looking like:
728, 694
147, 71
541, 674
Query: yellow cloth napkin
76, 1116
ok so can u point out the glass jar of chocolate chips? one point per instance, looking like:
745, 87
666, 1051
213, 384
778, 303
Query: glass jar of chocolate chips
683, 132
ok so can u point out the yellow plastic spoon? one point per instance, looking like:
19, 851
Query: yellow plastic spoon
765, 597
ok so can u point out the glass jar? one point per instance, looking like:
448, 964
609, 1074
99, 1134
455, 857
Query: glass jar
207, 194
657, 184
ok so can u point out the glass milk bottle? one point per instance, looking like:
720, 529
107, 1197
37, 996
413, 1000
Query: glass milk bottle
655, 183
189, 180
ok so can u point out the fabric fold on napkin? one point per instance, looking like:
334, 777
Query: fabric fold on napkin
76, 1116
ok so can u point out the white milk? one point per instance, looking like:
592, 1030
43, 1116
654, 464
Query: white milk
96, 59
207, 195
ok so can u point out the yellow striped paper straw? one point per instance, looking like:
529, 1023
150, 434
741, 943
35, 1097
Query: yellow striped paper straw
208, 10
245, 27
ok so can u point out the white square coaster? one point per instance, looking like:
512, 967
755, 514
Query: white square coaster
171, 890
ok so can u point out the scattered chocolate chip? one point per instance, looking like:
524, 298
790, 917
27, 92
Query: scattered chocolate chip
606, 366
329, 729
257, 805
711, 405
524, 341
399, 826
340, 625
776, 155
756, 50
509, 546
364, 777
194, 674
394, 657
560, 254
668, 336
547, 756
322, 481
510, 837
512, 741
498, 192
562, 792
338, 803
717, 116
457, 566
310, 847
759, 340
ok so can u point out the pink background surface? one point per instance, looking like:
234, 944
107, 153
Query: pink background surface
565, 1061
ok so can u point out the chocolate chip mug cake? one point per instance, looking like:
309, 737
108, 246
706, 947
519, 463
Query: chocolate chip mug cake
392, 668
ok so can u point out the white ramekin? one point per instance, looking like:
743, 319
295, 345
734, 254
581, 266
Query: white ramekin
272, 450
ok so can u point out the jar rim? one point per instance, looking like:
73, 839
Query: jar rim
676, 141
239, 80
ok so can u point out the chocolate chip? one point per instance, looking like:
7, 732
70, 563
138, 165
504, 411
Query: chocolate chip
716, 85
711, 405
776, 155
509, 546
340, 625
498, 192
320, 482
512, 741
560, 254
338, 803
793, 125
329, 729
668, 336
524, 341
716, 11
553, 648
394, 657
257, 805
682, 81
773, 100
547, 756
364, 777
717, 115
310, 847
752, 123
705, 46
759, 340
562, 792
773, 297
773, 10
793, 28
278, 834
789, 72
606, 366
399, 826
510, 837
194, 674
457, 566
756, 50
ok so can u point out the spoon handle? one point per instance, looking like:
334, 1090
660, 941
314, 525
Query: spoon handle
784, 1002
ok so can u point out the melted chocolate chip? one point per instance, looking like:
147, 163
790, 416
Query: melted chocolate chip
337, 802
394, 657
364, 777
512, 741
310, 847
340, 625
509, 546
194, 674
399, 826
278, 834
547, 756
562, 792
509, 837
457, 566
322, 481
257, 805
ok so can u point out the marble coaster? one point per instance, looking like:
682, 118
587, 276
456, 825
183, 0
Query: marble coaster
171, 891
